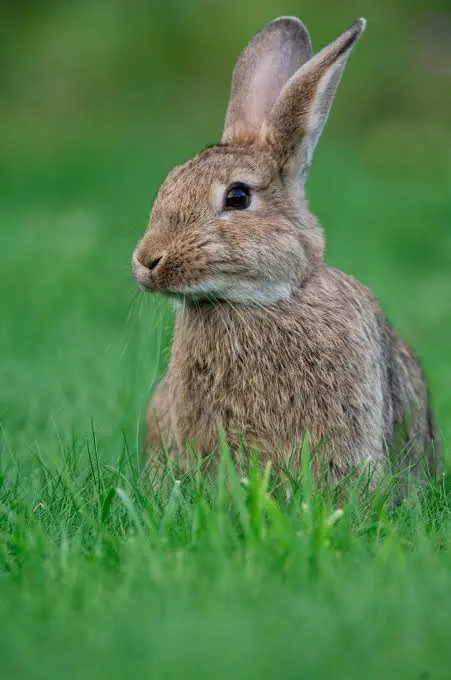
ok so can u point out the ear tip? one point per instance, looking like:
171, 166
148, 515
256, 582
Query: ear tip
359, 25
291, 24
288, 20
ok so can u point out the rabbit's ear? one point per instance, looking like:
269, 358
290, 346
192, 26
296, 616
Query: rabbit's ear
297, 118
273, 55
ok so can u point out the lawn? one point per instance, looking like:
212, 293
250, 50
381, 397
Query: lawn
103, 575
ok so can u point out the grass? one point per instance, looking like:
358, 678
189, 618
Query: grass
103, 575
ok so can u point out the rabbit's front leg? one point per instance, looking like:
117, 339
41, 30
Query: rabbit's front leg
159, 428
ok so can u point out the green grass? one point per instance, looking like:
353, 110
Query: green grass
105, 576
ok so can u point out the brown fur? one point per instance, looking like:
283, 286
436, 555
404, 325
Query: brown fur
269, 342
286, 37
159, 427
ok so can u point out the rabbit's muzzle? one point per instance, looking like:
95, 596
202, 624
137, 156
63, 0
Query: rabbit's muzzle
145, 269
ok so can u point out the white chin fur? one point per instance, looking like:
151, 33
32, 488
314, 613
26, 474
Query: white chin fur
245, 292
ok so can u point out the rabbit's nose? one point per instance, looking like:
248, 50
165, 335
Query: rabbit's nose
153, 262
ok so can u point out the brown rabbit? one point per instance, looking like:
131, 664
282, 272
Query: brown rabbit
270, 342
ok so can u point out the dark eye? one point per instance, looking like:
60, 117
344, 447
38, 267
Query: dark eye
238, 197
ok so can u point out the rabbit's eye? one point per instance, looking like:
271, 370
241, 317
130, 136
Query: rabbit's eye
238, 197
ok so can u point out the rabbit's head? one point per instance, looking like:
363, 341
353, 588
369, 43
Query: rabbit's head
232, 224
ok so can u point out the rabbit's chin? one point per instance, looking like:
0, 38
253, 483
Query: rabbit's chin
261, 292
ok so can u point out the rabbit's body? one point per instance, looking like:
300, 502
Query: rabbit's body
269, 342
269, 375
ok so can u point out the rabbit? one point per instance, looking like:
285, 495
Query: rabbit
270, 343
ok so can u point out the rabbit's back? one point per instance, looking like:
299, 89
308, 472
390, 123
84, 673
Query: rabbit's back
410, 430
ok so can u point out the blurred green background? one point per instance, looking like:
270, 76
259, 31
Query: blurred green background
100, 98
92, 68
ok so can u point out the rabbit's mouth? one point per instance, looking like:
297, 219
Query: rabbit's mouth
142, 275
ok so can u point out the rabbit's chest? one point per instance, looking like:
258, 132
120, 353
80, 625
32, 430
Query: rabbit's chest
268, 380
263, 396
